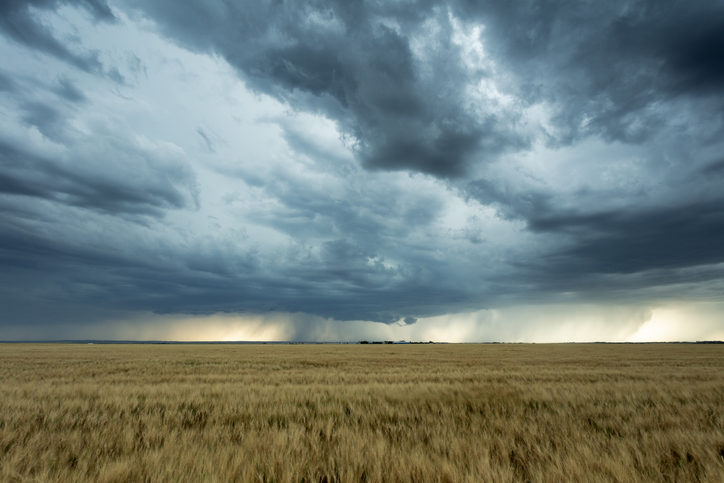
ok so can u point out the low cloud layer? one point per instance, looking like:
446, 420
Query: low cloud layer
358, 162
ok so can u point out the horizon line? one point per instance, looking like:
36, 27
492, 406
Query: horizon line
359, 342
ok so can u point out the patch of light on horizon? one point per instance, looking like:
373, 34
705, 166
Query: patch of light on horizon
229, 328
530, 323
683, 322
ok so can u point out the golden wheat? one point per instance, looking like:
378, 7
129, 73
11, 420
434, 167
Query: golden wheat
348, 413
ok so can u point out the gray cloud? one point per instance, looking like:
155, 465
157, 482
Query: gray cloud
355, 63
6, 83
490, 154
605, 70
69, 91
19, 22
204, 279
85, 183
620, 242
610, 69
48, 120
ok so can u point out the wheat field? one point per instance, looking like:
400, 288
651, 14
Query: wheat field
362, 413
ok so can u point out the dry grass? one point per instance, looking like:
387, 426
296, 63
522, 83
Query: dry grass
538, 413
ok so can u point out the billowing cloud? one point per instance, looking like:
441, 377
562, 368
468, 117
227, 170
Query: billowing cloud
360, 163
401, 81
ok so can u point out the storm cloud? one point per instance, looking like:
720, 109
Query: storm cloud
358, 161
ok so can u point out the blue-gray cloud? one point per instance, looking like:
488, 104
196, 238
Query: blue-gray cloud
583, 140
18, 21
355, 63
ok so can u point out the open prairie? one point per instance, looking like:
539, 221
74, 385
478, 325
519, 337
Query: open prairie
293, 413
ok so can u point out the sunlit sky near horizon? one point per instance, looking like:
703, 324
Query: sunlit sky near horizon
341, 171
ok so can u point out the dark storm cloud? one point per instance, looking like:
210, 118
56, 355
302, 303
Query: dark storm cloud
19, 22
595, 239
609, 68
621, 242
197, 280
84, 183
716, 168
405, 95
409, 320
101, 171
636, 242
605, 68
344, 60
633, 72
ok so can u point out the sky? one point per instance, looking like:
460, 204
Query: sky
534, 171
